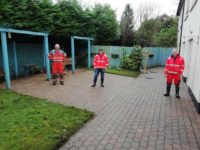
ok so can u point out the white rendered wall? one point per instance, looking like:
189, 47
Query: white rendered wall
190, 47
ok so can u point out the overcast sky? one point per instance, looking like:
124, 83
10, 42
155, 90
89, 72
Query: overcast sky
165, 6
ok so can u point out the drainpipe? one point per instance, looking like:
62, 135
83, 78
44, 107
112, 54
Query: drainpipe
182, 26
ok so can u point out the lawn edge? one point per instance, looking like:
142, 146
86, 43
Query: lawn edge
62, 141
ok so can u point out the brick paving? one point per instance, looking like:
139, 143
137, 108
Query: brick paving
131, 113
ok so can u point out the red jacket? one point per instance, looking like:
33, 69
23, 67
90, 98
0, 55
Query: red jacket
174, 65
57, 55
101, 61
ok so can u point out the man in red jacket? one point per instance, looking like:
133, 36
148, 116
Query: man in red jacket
173, 70
57, 57
100, 64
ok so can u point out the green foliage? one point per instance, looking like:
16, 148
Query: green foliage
62, 19
123, 72
168, 35
161, 31
134, 60
68, 17
26, 14
123, 54
146, 32
106, 24
35, 124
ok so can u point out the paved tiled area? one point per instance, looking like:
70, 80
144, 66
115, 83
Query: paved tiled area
77, 90
131, 113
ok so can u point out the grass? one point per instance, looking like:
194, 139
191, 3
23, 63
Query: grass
34, 124
123, 72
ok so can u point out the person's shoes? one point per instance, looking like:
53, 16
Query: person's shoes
94, 84
102, 85
168, 90
177, 91
54, 82
62, 82
177, 96
166, 94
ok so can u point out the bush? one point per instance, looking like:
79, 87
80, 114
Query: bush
134, 60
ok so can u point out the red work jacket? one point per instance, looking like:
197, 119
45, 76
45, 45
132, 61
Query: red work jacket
174, 65
101, 61
57, 55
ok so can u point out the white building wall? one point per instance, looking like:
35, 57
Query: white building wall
179, 28
190, 46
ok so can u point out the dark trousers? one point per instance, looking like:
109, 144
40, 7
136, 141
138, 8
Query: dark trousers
96, 74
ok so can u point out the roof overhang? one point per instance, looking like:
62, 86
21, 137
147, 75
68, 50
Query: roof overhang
23, 32
180, 5
83, 38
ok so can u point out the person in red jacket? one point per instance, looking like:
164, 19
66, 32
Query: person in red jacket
173, 69
100, 64
57, 57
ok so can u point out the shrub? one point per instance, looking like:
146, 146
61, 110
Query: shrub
134, 60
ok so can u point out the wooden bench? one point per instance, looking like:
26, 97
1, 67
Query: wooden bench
67, 64
67, 61
29, 68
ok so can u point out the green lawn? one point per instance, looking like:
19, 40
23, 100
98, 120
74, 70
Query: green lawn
122, 72
29, 123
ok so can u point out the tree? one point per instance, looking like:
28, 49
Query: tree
146, 32
127, 26
69, 18
152, 31
149, 25
61, 19
26, 14
6, 12
167, 37
106, 24
147, 11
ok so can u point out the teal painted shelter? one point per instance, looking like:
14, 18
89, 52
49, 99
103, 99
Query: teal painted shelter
89, 45
11, 55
